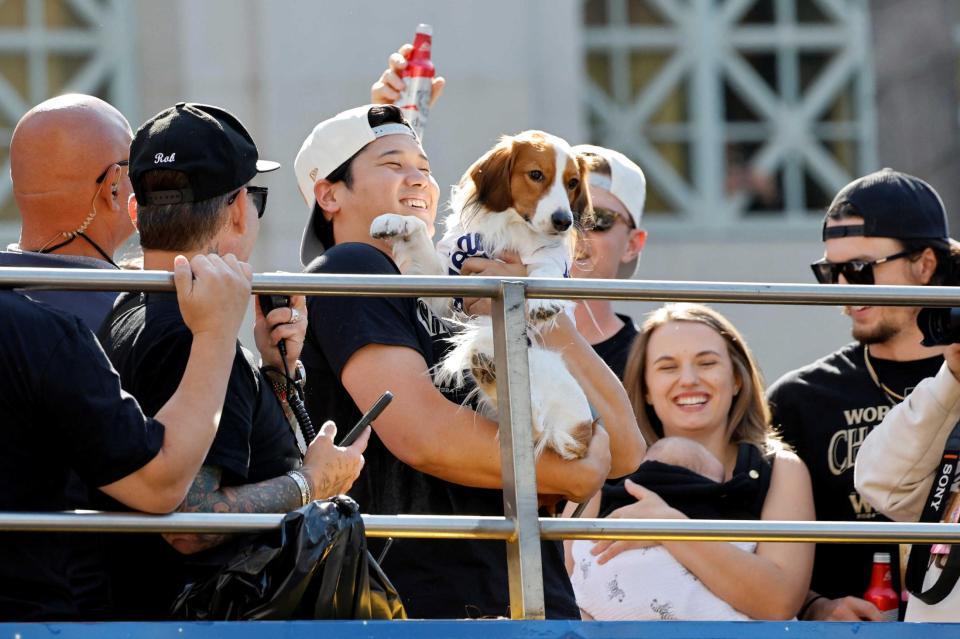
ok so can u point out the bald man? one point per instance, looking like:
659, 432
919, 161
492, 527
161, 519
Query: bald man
68, 161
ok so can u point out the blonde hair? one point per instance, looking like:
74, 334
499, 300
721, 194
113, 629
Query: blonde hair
749, 418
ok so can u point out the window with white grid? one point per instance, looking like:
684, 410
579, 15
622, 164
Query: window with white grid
49, 47
737, 110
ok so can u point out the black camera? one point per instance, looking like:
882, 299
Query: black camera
940, 326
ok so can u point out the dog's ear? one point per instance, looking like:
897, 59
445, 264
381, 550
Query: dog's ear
491, 177
581, 205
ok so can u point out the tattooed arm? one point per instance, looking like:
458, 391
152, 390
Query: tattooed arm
277, 495
330, 469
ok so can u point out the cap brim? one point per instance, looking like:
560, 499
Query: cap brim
265, 166
310, 245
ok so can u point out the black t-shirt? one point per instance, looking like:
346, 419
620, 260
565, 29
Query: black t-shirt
90, 306
825, 411
149, 344
65, 419
435, 578
615, 349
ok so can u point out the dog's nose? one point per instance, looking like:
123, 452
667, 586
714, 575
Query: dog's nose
561, 220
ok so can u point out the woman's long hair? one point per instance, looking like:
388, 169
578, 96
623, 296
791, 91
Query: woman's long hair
749, 418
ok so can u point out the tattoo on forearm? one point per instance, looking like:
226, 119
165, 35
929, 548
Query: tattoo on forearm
277, 495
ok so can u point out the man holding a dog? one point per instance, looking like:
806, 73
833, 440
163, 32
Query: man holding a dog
428, 454
611, 249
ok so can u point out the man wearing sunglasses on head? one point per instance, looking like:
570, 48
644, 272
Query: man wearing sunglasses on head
192, 167
618, 190
886, 228
68, 158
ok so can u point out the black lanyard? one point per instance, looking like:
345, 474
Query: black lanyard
74, 236
946, 482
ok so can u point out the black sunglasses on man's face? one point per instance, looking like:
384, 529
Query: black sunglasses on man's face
259, 196
854, 271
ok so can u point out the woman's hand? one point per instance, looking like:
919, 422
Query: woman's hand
649, 505
509, 265
606, 549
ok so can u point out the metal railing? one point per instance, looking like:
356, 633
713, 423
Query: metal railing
520, 528
487, 527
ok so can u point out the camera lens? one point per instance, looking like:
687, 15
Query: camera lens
940, 326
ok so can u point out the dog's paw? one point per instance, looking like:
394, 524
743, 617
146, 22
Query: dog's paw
393, 227
543, 310
569, 440
483, 369
575, 446
562, 419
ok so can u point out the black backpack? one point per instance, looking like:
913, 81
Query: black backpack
315, 566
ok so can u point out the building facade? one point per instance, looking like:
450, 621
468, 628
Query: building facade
746, 115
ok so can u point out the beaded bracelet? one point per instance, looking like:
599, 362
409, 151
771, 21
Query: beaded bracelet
300, 479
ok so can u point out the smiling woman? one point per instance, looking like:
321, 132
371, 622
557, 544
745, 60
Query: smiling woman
691, 376
690, 373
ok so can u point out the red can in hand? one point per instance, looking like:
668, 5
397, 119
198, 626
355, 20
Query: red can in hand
418, 78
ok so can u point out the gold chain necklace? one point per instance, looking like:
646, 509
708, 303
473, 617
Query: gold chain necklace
892, 397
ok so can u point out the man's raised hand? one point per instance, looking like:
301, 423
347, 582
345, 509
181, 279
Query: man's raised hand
388, 88
213, 293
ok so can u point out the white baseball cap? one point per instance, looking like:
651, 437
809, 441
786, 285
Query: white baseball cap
627, 183
329, 145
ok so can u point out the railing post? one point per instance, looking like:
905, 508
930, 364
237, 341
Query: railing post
525, 571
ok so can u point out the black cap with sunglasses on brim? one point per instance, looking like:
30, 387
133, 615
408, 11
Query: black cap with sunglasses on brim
893, 205
207, 144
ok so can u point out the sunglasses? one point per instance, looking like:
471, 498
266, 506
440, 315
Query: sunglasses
854, 271
604, 219
103, 176
259, 196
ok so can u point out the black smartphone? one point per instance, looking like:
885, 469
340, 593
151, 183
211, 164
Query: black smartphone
270, 302
367, 418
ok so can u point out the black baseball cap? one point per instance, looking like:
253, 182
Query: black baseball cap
208, 144
892, 204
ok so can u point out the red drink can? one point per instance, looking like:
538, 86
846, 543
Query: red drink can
418, 78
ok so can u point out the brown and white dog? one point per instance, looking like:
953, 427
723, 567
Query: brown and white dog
527, 195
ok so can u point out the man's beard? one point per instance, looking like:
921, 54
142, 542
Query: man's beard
882, 332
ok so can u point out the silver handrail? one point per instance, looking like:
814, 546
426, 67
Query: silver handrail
509, 295
460, 527
542, 288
